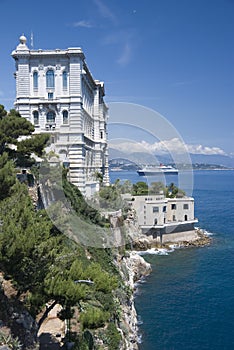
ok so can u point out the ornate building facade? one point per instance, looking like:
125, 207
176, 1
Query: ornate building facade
57, 93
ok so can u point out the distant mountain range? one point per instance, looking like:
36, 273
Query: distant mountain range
147, 158
213, 159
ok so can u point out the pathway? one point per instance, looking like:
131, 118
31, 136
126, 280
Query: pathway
52, 331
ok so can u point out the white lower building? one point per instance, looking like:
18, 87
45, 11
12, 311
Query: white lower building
57, 93
158, 215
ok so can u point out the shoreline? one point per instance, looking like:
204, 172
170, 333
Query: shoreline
138, 268
194, 238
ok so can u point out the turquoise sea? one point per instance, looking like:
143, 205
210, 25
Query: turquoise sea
188, 300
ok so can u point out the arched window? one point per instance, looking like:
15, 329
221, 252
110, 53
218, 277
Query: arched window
35, 118
50, 79
186, 218
64, 80
65, 117
35, 80
50, 117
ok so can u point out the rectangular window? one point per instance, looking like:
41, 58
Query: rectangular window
186, 206
174, 218
50, 79
164, 209
35, 80
64, 80
35, 118
65, 117
50, 95
173, 206
155, 209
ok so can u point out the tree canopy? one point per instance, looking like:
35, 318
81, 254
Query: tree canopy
7, 176
112, 193
43, 263
17, 138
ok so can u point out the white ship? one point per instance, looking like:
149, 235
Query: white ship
155, 170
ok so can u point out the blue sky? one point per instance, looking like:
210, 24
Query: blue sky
173, 56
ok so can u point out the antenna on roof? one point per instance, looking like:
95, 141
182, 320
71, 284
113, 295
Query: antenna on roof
31, 40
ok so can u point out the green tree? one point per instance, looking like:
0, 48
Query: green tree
126, 187
103, 281
7, 176
82, 208
157, 188
35, 144
99, 177
43, 263
24, 255
3, 112
12, 127
113, 336
140, 188
93, 318
173, 191
110, 198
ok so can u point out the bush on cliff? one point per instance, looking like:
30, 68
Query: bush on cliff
94, 318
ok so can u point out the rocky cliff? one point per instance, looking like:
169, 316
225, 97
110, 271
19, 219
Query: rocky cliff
132, 268
16, 325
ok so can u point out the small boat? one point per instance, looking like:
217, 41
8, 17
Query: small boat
155, 170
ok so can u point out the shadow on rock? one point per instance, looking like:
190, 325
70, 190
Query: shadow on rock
48, 341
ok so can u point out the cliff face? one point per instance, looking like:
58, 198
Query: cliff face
132, 268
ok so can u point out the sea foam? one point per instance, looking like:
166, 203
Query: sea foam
204, 231
157, 251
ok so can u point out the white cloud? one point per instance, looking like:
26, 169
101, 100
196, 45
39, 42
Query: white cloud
199, 149
173, 145
83, 24
128, 146
167, 146
105, 11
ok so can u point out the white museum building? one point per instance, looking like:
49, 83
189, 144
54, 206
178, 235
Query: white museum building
57, 93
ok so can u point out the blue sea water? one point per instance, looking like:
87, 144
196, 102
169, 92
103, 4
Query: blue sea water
188, 300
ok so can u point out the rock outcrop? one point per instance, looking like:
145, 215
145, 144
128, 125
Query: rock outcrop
132, 268
195, 238
15, 320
